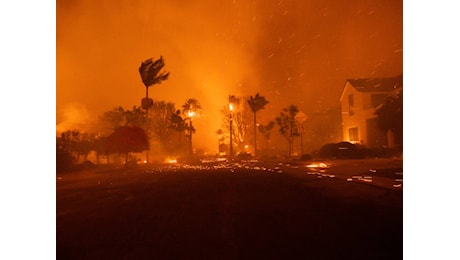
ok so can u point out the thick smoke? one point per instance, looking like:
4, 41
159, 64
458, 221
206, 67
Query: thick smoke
292, 52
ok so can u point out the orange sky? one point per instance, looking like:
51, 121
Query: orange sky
292, 52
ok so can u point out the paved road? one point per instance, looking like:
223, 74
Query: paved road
224, 211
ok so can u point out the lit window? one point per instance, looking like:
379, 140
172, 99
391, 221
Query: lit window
351, 104
353, 134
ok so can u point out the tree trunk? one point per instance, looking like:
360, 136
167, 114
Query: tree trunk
301, 144
255, 135
147, 123
191, 131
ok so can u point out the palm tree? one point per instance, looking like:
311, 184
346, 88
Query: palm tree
151, 75
149, 72
256, 103
191, 109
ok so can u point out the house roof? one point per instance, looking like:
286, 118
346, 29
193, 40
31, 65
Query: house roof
377, 84
374, 84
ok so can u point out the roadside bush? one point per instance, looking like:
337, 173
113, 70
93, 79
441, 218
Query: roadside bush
64, 160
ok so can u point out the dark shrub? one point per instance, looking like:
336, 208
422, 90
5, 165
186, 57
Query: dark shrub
64, 160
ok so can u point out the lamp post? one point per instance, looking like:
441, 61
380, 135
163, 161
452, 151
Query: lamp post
191, 114
230, 107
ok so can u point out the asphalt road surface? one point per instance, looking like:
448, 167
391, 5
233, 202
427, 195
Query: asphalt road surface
245, 210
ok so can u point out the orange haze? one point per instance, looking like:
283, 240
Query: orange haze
291, 52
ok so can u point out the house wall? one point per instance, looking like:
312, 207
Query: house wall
362, 118
355, 119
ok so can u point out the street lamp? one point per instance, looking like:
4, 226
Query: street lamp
191, 114
230, 107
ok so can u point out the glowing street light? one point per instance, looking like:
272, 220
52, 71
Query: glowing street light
191, 114
230, 107
191, 109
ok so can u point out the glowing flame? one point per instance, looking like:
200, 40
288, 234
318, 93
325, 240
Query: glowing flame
317, 165
172, 160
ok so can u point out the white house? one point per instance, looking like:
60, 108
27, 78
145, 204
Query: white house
359, 100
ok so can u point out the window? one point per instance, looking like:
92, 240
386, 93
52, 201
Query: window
351, 104
353, 134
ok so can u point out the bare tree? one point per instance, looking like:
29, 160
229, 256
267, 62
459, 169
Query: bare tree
111, 120
241, 117
265, 130
160, 123
288, 125
117, 117
135, 117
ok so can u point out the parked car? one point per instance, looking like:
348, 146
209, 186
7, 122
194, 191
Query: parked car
342, 150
